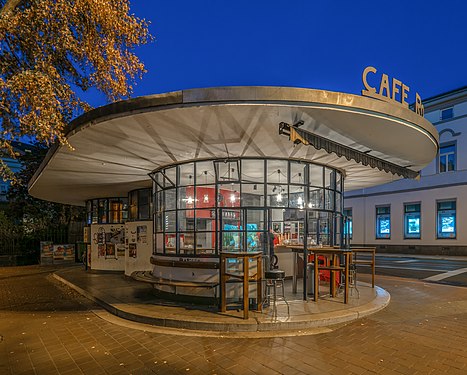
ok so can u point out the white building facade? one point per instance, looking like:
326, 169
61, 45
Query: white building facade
425, 216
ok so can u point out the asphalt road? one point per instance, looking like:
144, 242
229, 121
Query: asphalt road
438, 270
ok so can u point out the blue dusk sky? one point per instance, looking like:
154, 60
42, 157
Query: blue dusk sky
313, 44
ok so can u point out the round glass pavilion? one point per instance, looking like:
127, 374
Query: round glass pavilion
206, 206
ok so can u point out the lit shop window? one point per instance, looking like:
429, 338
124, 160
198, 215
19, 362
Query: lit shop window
446, 219
106, 211
348, 222
383, 222
412, 220
447, 157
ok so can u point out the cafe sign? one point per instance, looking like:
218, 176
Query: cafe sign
392, 91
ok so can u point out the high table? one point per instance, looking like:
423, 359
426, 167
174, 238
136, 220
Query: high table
245, 277
333, 267
372, 262
297, 249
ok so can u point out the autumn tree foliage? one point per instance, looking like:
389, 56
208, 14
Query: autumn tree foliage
51, 52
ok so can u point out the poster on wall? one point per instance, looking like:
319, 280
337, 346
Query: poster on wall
64, 253
110, 250
101, 250
110, 242
132, 250
99, 236
46, 252
120, 250
142, 234
87, 234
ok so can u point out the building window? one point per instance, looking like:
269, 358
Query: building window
447, 113
446, 219
107, 211
348, 222
412, 227
383, 222
447, 157
140, 204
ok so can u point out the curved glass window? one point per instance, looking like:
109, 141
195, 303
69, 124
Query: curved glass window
140, 204
107, 211
207, 206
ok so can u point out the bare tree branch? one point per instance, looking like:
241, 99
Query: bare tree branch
9, 6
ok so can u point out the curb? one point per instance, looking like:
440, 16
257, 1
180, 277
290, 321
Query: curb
252, 326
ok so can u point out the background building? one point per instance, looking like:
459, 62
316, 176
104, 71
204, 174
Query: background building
428, 215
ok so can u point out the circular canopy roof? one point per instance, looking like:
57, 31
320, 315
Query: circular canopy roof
116, 146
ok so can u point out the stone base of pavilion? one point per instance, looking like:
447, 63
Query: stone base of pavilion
135, 301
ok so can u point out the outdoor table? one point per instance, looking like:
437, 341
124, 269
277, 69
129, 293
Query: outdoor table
244, 277
297, 249
372, 262
334, 266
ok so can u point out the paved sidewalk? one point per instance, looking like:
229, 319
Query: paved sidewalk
462, 258
134, 300
47, 328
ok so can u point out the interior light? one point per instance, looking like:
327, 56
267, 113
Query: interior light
189, 200
232, 197
279, 197
206, 198
300, 201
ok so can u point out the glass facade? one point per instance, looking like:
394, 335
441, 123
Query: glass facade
106, 211
208, 206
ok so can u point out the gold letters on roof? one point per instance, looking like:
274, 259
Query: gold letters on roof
392, 91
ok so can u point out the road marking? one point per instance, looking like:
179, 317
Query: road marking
406, 261
404, 268
445, 275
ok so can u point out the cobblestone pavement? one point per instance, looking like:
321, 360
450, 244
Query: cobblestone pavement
46, 328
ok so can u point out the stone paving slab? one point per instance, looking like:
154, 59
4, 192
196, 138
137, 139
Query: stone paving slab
133, 300
48, 328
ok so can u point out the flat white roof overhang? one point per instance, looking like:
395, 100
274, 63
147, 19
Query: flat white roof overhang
116, 146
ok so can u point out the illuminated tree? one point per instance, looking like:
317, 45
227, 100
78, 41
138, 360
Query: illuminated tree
53, 50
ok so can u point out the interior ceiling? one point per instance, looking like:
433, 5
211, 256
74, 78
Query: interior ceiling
115, 155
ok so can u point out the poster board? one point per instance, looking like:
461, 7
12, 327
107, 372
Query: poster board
63, 253
47, 252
